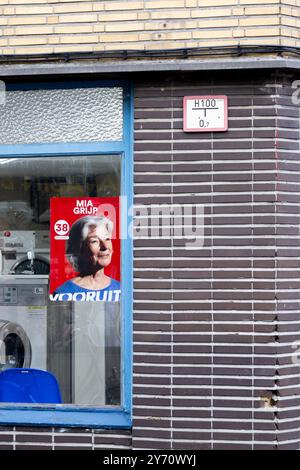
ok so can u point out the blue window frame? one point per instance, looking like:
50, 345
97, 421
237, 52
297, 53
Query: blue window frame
73, 415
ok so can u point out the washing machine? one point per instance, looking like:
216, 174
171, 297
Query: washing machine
15, 347
24, 252
23, 321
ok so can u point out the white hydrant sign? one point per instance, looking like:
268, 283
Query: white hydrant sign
205, 113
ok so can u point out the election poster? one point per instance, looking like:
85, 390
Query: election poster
85, 249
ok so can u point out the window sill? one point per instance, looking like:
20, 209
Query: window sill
106, 419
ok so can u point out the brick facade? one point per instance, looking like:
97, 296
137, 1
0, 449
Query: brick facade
214, 327
290, 22
287, 272
39, 438
53, 26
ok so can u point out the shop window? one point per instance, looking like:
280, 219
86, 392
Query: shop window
80, 334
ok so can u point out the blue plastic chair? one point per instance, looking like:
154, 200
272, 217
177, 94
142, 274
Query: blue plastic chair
29, 386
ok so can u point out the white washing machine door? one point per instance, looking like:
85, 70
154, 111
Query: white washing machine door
38, 265
15, 347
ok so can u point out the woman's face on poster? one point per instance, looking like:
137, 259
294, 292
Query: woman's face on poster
98, 246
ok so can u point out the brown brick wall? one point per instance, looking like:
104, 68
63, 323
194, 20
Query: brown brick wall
210, 328
53, 26
288, 267
43, 438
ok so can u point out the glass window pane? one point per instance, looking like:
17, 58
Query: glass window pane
79, 342
62, 115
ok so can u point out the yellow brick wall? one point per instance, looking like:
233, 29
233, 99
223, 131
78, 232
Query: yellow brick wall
290, 22
52, 26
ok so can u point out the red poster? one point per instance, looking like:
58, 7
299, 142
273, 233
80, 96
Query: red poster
85, 249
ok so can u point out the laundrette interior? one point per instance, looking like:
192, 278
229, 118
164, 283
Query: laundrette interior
78, 343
